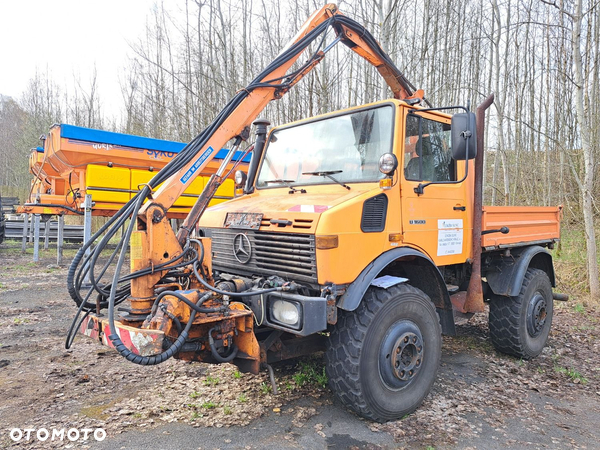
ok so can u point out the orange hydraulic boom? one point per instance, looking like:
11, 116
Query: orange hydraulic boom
155, 249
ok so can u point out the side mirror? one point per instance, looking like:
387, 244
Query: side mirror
240, 179
464, 136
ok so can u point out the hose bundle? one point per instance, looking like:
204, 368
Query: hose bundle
86, 266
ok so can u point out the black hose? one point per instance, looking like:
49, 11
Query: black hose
215, 354
82, 266
118, 290
232, 294
173, 349
195, 306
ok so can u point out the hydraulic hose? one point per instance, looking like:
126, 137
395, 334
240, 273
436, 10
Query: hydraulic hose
118, 290
215, 354
173, 349
195, 306
232, 294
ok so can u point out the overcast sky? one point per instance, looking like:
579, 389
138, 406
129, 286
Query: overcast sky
66, 38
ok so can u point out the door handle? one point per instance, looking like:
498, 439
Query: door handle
460, 208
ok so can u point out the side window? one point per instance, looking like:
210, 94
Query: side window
428, 156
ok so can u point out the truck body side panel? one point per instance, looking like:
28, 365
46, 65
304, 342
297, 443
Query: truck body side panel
527, 225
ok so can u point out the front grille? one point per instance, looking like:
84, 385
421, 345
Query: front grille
296, 223
289, 255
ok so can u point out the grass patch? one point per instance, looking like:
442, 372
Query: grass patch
311, 372
210, 381
243, 398
574, 375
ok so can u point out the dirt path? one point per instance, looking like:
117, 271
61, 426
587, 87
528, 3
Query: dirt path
481, 399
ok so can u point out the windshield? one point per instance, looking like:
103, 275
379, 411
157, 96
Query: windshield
347, 147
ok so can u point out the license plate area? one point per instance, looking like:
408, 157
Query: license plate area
243, 220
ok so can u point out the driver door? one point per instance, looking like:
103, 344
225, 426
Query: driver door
437, 220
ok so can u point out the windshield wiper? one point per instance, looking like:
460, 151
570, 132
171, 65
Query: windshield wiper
287, 182
280, 180
327, 174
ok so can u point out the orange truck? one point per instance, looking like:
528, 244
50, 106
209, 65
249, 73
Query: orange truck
360, 232
111, 167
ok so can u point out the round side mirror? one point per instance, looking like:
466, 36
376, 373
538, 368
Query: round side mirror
240, 179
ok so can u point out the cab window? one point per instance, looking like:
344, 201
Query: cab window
428, 155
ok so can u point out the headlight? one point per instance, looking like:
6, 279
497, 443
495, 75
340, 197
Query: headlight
287, 313
388, 163
240, 178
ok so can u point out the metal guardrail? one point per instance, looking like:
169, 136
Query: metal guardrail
72, 233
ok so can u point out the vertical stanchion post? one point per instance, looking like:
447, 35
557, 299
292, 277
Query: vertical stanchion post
87, 227
31, 227
25, 232
46, 234
59, 240
36, 238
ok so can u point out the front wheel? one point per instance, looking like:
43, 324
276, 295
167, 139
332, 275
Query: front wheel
520, 325
382, 358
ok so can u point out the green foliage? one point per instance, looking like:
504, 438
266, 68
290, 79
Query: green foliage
242, 398
265, 388
573, 374
210, 381
311, 373
195, 394
209, 405
20, 321
227, 410
237, 374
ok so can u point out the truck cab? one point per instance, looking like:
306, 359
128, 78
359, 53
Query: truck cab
333, 193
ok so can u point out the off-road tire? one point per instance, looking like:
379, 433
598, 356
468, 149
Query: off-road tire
509, 319
357, 346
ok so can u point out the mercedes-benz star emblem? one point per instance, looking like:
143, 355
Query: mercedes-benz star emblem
242, 249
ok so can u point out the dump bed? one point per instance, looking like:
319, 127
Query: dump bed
528, 225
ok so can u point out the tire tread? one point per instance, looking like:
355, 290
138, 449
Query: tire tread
345, 344
504, 319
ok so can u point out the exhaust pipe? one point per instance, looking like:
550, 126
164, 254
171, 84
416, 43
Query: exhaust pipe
474, 301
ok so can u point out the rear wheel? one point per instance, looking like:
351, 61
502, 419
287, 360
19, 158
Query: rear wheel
382, 358
520, 325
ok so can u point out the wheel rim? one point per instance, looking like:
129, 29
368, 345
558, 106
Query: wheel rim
536, 314
401, 354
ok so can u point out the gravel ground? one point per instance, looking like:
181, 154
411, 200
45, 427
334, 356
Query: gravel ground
482, 399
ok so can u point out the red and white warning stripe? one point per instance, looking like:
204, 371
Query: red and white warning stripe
309, 208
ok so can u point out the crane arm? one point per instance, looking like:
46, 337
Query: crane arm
272, 84
151, 239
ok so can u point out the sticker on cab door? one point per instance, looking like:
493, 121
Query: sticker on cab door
450, 237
